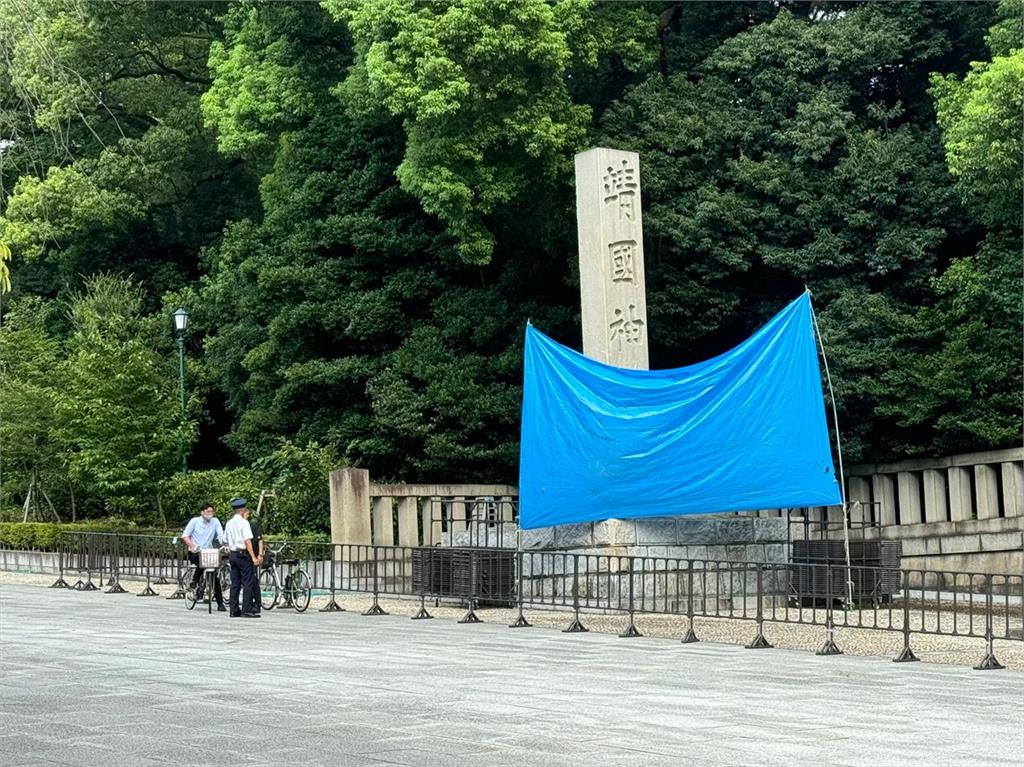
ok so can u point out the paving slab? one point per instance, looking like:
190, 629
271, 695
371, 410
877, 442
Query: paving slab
88, 678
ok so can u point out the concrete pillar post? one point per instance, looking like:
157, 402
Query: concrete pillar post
961, 504
427, 526
459, 515
882, 489
910, 498
383, 521
986, 491
859, 497
350, 506
408, 523
1013, 488
935, 507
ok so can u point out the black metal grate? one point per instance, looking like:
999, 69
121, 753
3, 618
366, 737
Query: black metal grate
875, 570
485, 575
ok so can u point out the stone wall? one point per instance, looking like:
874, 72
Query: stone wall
29, 561
980, 545
962, 512
646, 562
957, 488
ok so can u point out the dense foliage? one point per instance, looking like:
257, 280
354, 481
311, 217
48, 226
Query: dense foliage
360, 202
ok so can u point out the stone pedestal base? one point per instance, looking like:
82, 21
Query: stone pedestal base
720, 539
717, 539
591, 561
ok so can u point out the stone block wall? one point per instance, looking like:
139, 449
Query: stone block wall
646, 562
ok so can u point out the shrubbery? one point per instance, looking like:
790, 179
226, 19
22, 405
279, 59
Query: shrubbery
184, 492
42, 536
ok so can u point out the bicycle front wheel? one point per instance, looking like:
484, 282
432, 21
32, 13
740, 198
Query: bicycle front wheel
191, 595
224, 576
270, 592
300, 591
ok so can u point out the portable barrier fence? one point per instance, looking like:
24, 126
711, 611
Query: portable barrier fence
984, 606
97, 560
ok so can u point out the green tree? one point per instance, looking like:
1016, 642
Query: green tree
298, 477
482, 88
29, 391
5, 269
118, 413
964, 362
803, 151
103, 134
345, 296
981, 117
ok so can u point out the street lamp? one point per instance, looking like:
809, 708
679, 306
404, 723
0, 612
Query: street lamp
181, 325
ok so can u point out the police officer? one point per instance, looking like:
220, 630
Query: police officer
242, 559
258, 548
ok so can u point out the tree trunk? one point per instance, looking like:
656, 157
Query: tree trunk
49, 503
160, 509
28, 501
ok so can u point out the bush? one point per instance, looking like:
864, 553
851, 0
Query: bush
42, 536
184, 492
299, 476
20, 535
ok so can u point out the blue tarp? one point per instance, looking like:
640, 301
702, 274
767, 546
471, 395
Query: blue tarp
744, 430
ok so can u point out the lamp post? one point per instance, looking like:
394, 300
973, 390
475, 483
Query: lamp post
181, 325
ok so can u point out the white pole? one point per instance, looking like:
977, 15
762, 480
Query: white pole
839, 452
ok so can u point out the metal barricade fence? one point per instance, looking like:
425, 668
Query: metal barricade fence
909, 602
109, 558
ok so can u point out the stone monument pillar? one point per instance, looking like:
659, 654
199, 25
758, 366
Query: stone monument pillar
611, 242
614, 307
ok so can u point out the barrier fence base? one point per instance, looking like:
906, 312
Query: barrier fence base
576, 627
116, 588
375, 608
907, 656
332, 607
759, 642
520, 622
147, 592
422, 614
829, 648
631, 630
691, 636
470, 617
989, 663
86, 585
60, 583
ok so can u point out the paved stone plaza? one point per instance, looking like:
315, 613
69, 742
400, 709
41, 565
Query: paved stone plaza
96, 679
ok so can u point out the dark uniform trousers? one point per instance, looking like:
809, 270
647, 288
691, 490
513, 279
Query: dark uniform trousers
243, 579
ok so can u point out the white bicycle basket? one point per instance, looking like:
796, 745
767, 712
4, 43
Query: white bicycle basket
209, 559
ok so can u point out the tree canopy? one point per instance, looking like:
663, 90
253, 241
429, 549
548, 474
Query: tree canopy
361, 204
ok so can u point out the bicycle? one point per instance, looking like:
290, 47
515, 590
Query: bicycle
205, 583
296, 589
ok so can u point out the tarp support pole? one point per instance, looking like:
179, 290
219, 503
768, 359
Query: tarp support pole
839, 452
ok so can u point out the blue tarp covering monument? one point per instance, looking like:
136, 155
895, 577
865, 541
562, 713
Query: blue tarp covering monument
744, 430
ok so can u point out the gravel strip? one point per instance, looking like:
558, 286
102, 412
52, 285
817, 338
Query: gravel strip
957, 651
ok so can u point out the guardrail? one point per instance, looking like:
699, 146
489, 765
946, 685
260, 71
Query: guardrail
985, 606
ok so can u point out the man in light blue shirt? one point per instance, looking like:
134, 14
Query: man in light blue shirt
200, 533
